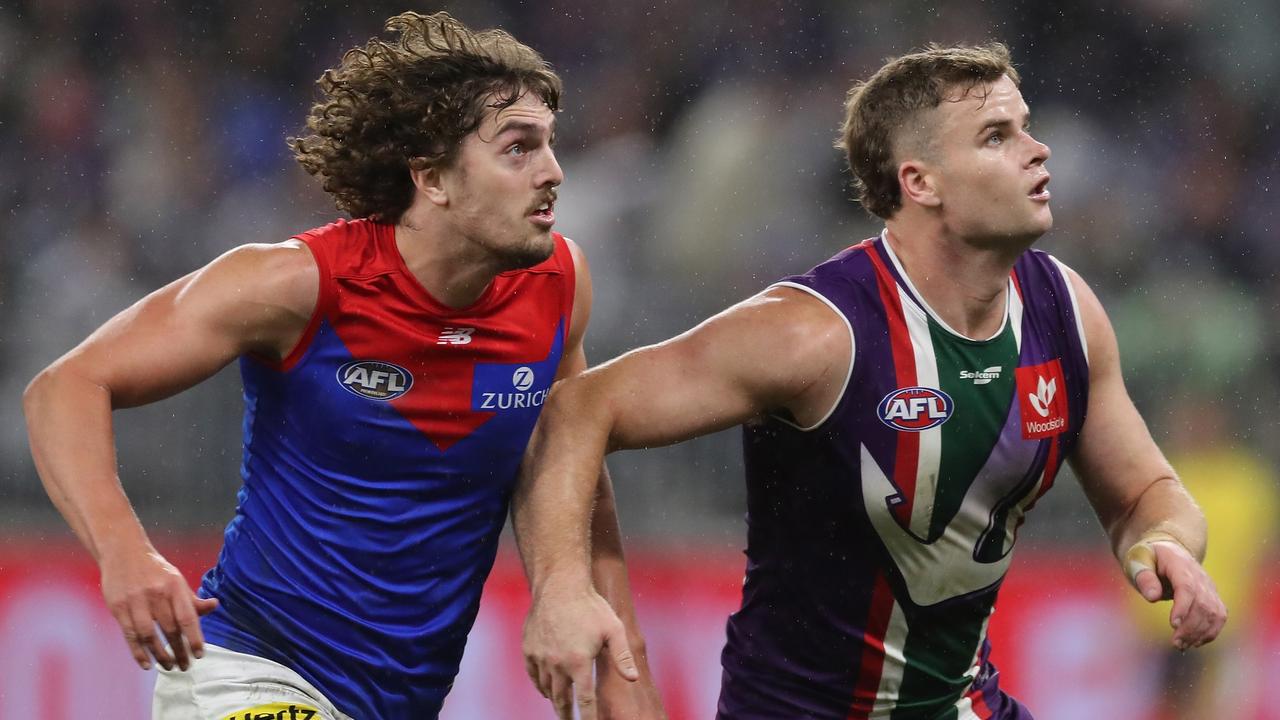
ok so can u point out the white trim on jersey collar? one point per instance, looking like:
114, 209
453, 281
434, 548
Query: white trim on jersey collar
924, 304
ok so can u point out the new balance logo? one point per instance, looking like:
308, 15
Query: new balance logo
1043, 396
981, 377
455, 336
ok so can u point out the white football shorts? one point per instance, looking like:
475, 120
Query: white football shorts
227, 685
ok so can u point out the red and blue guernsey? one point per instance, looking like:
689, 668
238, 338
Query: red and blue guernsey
379, 460
878, 538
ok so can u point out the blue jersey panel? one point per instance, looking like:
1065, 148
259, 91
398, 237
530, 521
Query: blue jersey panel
359, 549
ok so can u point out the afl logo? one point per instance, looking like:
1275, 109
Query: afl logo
522, 379
374, 379
915, 408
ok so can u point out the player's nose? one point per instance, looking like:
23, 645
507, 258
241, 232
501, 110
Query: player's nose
550, 174
1040, 152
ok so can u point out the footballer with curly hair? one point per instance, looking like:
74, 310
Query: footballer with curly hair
394, 365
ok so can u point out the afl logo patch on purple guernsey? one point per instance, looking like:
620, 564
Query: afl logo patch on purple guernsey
915, 408
375, 379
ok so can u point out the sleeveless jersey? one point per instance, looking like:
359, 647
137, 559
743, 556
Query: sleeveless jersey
379, 459
877, 539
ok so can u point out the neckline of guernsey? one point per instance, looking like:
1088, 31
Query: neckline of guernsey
922, 304
387, 237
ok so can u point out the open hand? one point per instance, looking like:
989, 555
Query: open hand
563, 635
143, 591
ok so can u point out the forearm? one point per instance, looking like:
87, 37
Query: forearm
1164, 509
70, 432
552, 508
608, 564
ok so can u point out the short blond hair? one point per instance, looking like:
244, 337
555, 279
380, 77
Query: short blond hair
880, 109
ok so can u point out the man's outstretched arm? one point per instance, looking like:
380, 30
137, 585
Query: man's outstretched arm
625, 693
255, 298
780, 350
1157, 531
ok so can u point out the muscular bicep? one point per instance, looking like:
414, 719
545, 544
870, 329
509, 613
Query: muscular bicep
1116, 458
256, 298
781, 350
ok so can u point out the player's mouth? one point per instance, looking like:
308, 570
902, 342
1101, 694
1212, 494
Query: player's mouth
544, 214
1040, 191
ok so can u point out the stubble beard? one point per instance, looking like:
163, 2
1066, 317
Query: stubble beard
533, 251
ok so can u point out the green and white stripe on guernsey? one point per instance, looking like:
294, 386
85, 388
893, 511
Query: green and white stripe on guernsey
964, 511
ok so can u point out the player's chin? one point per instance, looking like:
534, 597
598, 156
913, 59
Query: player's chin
1042, 221
536, 249
1046, 224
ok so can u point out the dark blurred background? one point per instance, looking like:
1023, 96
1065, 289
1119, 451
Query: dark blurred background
139, 139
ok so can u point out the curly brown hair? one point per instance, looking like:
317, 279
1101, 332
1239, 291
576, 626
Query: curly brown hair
880, 109
392, 106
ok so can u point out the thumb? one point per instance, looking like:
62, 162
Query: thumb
204, 606
1148, 585
1140, 565
615, 643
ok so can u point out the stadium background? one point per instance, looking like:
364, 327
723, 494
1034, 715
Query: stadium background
141, 138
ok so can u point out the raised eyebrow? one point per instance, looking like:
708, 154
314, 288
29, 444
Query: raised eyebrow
524, 126
1005, 122
994, 124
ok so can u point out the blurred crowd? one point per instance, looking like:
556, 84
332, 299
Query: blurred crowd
141, 138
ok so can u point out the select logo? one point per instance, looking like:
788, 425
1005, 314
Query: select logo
375, 379
275, 711
982, 377
914, 409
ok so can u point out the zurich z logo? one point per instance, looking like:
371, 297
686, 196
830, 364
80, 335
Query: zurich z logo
522, 379
915, 409
374, 379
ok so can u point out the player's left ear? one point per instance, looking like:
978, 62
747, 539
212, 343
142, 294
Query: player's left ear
429, 180
918, 184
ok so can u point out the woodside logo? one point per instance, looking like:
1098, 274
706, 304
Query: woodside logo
375, 379
1043, 400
